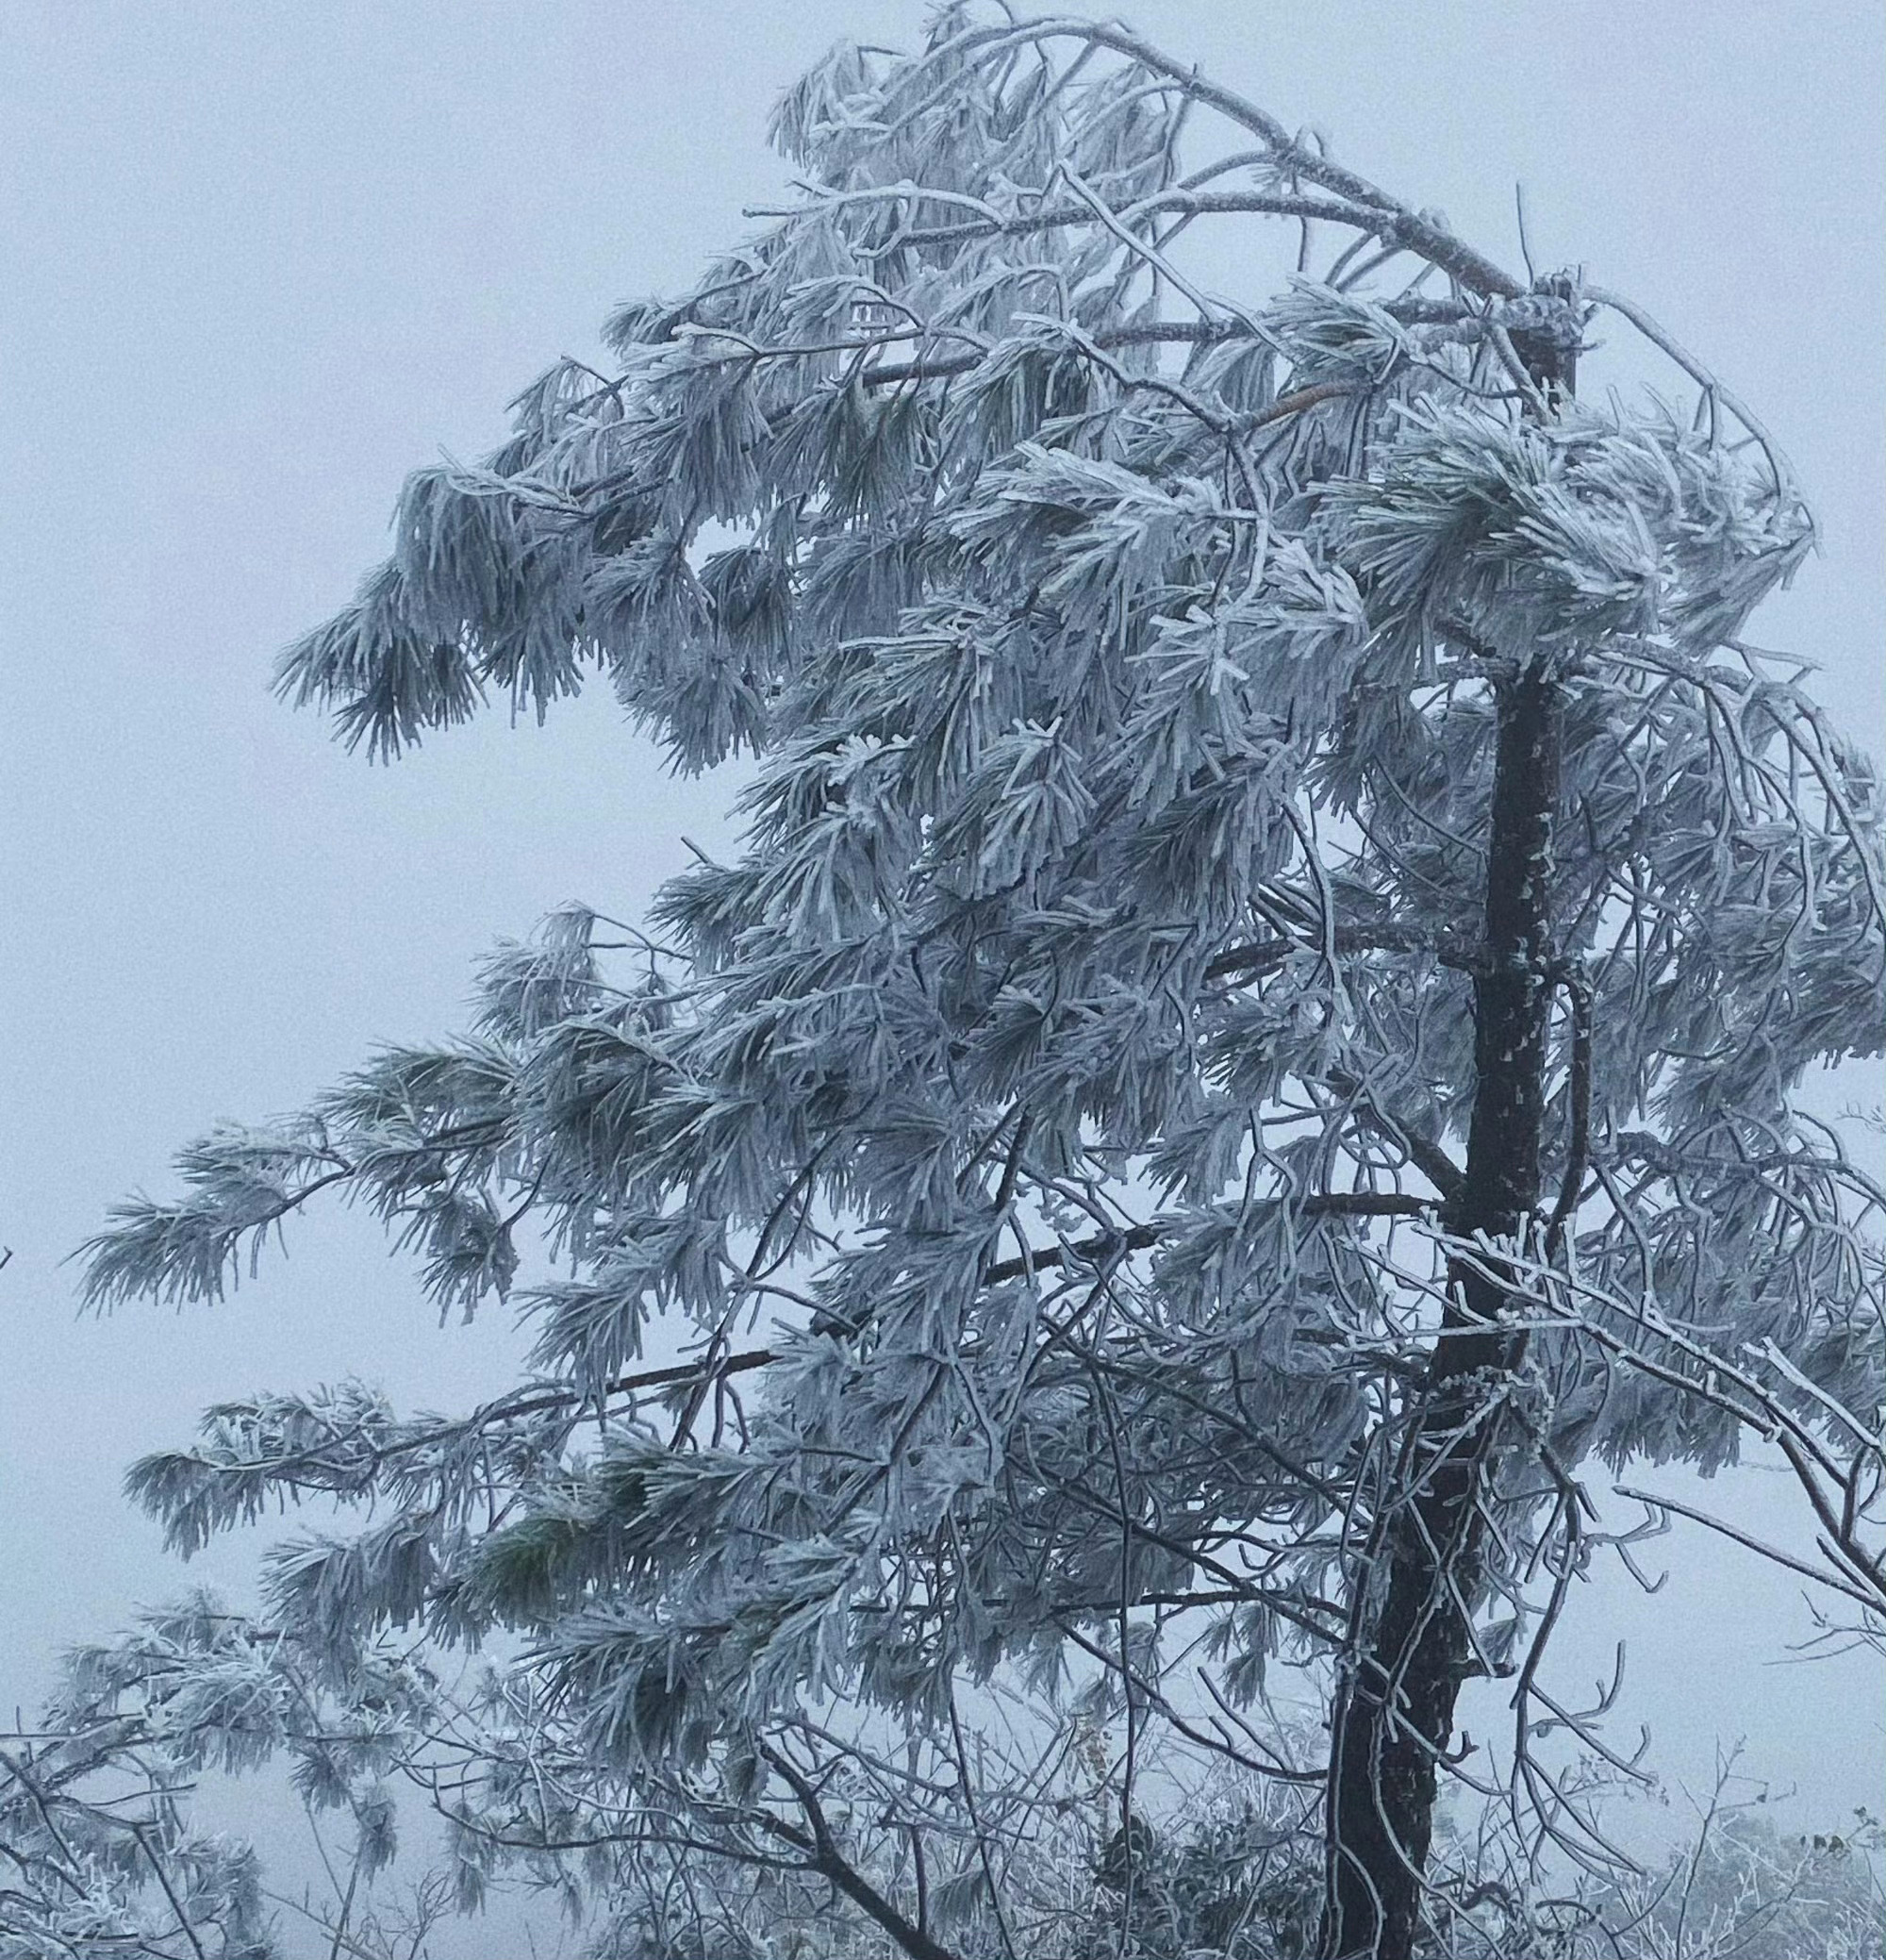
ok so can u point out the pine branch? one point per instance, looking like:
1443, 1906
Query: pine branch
831, 1863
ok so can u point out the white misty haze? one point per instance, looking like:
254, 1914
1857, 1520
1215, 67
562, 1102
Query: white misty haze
264, 258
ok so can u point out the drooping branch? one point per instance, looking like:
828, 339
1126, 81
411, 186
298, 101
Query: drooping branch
829, 1861
1288, 159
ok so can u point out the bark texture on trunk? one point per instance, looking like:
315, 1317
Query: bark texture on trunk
1394, 1716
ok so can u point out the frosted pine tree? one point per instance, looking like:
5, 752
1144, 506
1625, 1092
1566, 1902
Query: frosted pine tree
1254, 1028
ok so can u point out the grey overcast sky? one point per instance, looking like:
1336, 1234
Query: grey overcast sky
261, 258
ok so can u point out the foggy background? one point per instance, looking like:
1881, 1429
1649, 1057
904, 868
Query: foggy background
260, 259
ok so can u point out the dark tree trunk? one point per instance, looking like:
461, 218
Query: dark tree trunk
1395, 1714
